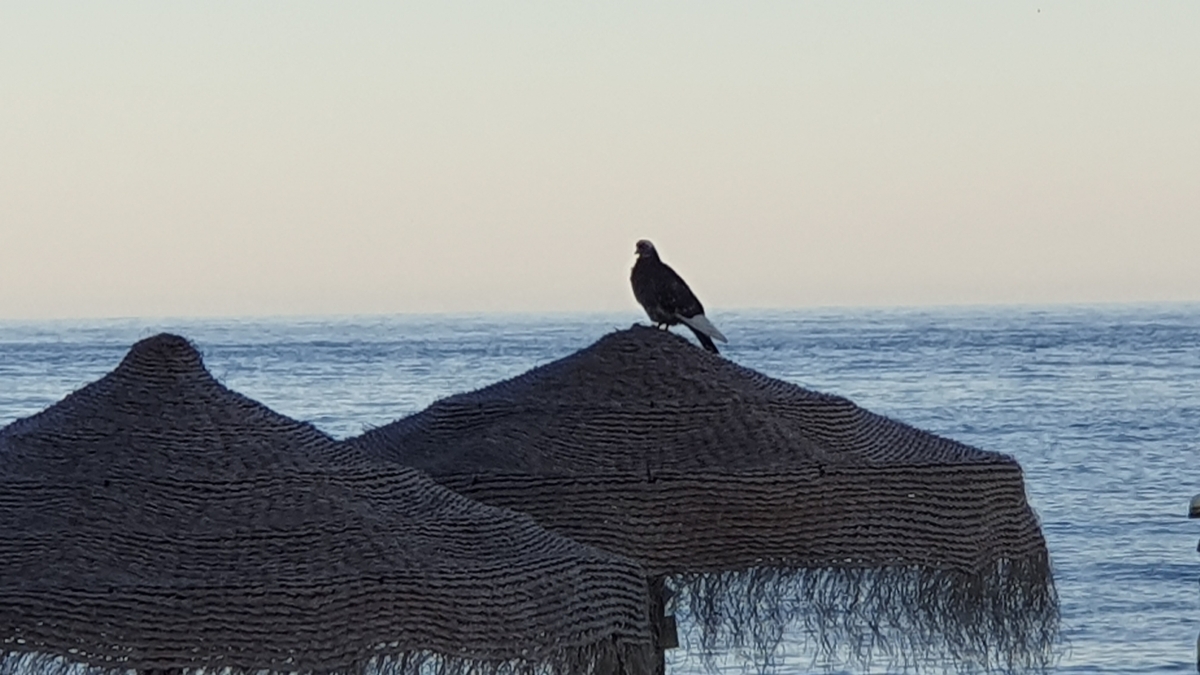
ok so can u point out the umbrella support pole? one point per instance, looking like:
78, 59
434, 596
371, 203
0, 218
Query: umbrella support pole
666, 634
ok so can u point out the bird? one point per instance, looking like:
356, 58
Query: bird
666, 297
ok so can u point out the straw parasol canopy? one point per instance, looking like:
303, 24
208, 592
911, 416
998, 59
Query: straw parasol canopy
155, 520
774, 509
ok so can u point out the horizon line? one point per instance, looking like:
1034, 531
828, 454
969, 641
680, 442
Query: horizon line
714, 311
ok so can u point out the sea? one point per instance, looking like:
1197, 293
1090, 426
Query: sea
1099, 404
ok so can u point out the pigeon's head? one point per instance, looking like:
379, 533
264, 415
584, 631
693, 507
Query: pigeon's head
645, 249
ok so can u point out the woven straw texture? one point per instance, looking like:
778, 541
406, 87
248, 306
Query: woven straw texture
157, 520
772, 507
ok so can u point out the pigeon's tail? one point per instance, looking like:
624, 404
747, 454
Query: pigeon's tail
705, 341
701, 324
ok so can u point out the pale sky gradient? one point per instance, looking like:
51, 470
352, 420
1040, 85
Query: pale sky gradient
255, 158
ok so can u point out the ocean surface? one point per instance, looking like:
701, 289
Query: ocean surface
1100, 405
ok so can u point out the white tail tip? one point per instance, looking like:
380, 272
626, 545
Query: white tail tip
702, 324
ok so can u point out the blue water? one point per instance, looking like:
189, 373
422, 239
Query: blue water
1101, 406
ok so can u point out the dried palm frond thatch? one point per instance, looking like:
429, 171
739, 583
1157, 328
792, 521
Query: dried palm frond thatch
156, 521
773, 509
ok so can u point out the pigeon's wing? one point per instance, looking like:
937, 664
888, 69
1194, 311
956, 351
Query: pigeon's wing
641, 278
675, 295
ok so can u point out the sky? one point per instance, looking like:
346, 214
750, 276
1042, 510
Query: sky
296, 158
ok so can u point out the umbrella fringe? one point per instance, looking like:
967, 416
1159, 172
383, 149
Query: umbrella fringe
1002, 618
601, 658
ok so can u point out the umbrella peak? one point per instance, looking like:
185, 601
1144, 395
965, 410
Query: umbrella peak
160, 412
165, 354
638, 365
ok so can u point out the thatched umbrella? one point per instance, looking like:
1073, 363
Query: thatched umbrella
772, 507
155, 520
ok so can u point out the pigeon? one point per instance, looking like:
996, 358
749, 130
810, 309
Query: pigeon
667, 299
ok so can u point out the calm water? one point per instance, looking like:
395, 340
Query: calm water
1101, 405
